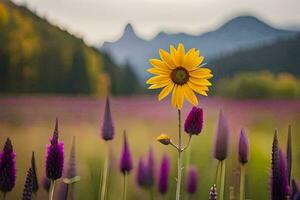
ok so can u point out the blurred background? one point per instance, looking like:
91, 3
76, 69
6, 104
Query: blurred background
61, 58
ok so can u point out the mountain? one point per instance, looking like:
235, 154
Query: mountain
38, 57
280, 56
240, 32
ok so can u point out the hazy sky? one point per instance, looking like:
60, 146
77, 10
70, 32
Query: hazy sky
104, 20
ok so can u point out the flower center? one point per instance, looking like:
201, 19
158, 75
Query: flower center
180, 76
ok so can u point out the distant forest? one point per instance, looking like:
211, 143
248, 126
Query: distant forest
280, 56
37, 57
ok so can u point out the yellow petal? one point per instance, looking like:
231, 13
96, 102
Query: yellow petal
199, 81
188, 57
180, 54
158, 79
203, 73
158, 71
180, 97
199, 89
196, 62
165, 91
174, 98
159, 85
193, 57
190, 95
158, 64
166, 57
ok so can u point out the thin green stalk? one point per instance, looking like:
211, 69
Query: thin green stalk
179, 167
217, 175
222, 184
51, 192
105, 175
242, 183
125, 187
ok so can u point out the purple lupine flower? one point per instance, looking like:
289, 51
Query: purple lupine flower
213, 193
164, 175
191, 182
7, 167
108, 130
28, 187
46, 183
142, 173
289, 153
55, 156
274, 168
125, 162
221, 138
243, 148
194, 121
284, 182
69, 174
35, 183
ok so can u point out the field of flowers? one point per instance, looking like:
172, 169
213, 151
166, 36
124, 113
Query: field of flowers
29, 123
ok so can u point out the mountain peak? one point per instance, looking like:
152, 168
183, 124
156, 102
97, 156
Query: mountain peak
129, 29
245, 21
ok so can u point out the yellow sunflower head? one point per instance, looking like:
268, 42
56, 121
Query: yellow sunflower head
180, 73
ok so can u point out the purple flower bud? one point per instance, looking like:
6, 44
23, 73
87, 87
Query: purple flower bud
289, 153
164, 175
125, 162
275, 168
35, 183
243, 148
69, 173
213, 193
222, 138
194, 121
7, 167
46, 183
28, 187
142, 174
191, 182
55, 156
151, 168
284, 182
108, 126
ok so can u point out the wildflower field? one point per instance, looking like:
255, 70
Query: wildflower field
29, 122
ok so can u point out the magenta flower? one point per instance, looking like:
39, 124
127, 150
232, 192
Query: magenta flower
164, 175
222, 138
35, 183
243, 148
213, 193
125, 162
283, 175
55, 156
7, 167
108, 130
194, 121
191, 182
28, 187
151, 168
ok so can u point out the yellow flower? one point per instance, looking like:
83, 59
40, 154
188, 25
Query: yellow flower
180, 73
164, 139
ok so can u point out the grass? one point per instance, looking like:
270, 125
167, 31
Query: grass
29, 122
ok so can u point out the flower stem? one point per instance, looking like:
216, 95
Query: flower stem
179, 167
105, 174
51, 192
222, 179
125, 187
242, 183
151, 193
